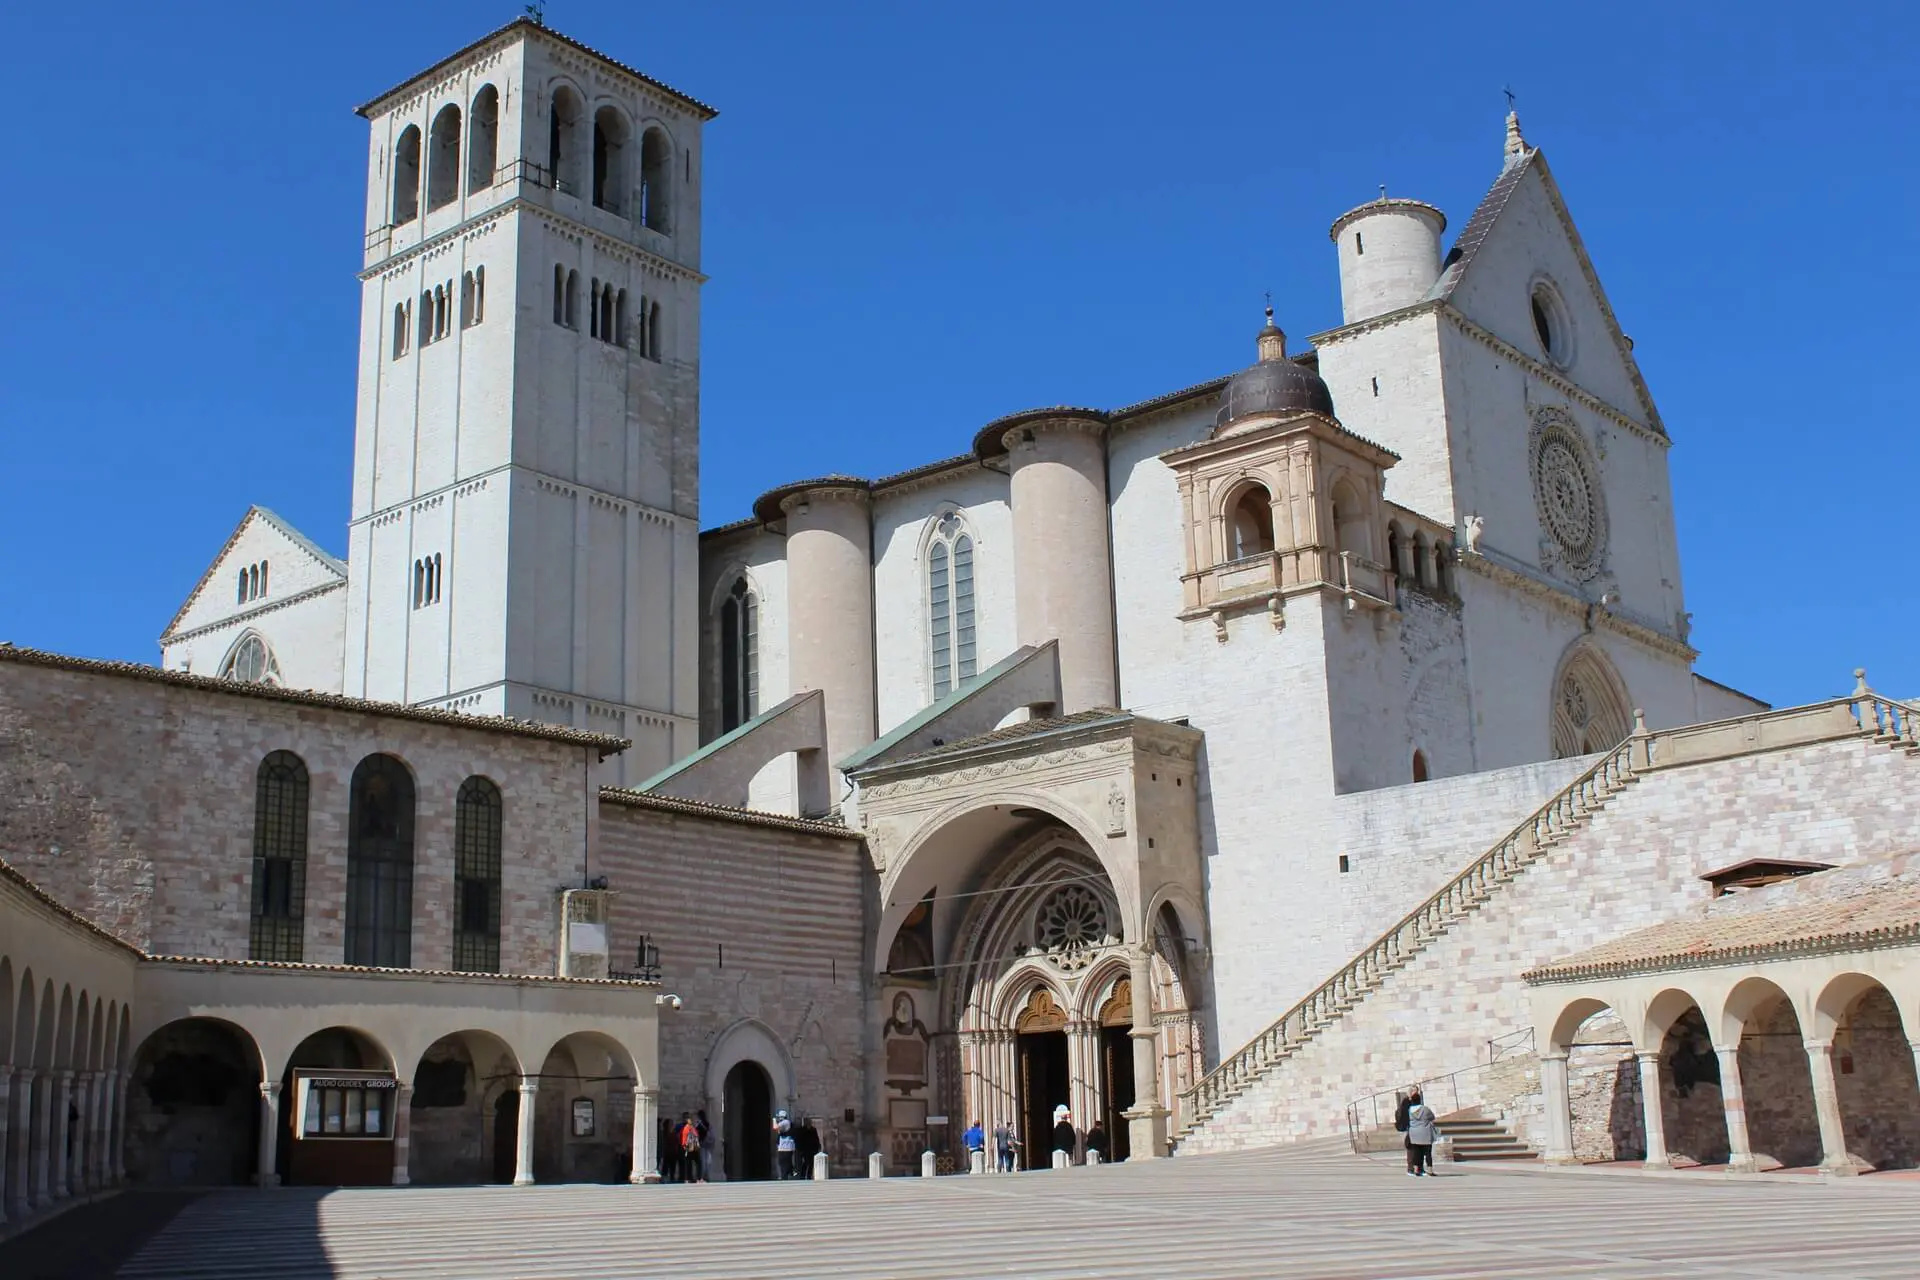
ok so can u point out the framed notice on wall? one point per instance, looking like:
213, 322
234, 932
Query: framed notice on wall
583, 1117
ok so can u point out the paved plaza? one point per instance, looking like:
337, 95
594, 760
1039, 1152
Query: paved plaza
1321, 1213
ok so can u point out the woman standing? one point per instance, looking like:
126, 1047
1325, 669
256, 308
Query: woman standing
1423, 1131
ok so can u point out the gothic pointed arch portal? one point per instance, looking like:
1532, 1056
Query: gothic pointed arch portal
1591, 708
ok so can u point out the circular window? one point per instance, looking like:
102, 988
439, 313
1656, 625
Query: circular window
1550, 324
1565, 491
1071, 923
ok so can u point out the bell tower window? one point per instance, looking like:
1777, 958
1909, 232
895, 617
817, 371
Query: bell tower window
1252, 523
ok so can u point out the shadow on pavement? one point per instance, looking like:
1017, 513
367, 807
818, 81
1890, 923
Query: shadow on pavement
92, 1240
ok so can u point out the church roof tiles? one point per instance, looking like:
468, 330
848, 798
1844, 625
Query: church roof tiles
1883, 916
606, 744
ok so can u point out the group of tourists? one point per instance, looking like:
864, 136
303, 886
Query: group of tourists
1007, 1145
686, 1148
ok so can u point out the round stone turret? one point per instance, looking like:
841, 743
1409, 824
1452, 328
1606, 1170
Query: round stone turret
1389, 256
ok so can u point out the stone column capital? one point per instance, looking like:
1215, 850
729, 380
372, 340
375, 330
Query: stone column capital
646, 1093
529, 1085
1648, 1056
64, 1076
1555, 1055
1817, 1046
270, 1090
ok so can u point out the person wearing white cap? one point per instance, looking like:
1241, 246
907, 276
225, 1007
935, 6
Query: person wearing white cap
1064, 1137
783, 1146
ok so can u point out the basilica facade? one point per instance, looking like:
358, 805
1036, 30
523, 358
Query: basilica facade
1063, 770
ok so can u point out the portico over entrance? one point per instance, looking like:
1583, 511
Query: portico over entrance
1041, 940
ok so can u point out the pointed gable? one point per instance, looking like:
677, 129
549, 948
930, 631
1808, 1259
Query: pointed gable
1522, 230
297, 566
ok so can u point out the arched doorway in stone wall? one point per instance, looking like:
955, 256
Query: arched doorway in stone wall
746, 1122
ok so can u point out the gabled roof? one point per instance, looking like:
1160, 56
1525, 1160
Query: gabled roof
333, 564
1473, 236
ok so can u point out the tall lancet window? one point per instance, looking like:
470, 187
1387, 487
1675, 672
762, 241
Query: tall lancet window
950, 604
380, 864
476, 877
739, 657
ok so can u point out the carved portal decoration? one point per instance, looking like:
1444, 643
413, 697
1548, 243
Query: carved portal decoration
1118, 1009
1591, 710
1566, 492
1042, 1013
1071, 925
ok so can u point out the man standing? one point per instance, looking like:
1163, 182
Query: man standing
975, 1139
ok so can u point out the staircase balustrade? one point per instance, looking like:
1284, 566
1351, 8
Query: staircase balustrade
1883, 719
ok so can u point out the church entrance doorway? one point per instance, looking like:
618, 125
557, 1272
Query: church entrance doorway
746, 1123
506, 1134
1116, 1087
1045, 1083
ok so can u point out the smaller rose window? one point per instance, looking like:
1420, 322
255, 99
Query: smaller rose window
1072, 922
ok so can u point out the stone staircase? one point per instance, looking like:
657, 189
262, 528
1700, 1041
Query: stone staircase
1475, 1137
1536, 834
1863, 713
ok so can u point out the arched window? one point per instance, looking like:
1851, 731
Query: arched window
593, 308
739, 657
950, 605
559, 294
380, 865
279, 858
1443, 568
563, 140
610, 160
1252, 523
483, 138
1419, 766
656, 167
1422, 560
653, 332
573, 299
619, 338
476, 882
1350, 529
250, 661
443, 158
1590, 708
426, 316
263, 577
240, 596
406, 177
606, 313
402, 328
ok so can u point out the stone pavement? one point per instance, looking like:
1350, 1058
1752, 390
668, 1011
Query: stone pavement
1321, 1213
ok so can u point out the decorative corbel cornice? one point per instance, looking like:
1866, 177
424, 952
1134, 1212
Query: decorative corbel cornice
1552, 377
1594, 615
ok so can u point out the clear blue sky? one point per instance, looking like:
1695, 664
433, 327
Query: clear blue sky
920, 217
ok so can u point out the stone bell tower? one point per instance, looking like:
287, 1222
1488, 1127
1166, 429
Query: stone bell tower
525, 481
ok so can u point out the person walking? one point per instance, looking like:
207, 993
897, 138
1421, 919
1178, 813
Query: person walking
1003, 1147
784, 1143
1400, 1109
1097, 1142
1423, 1130
806, 1145
975, 1139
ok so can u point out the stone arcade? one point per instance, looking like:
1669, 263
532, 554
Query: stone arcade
1206, 765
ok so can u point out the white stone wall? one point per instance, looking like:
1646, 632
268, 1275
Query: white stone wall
1636, 863
1148, 560
902, 520
301, 615
762, 556
1387, 387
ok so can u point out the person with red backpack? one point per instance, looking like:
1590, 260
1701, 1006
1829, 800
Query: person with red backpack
689, 1134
